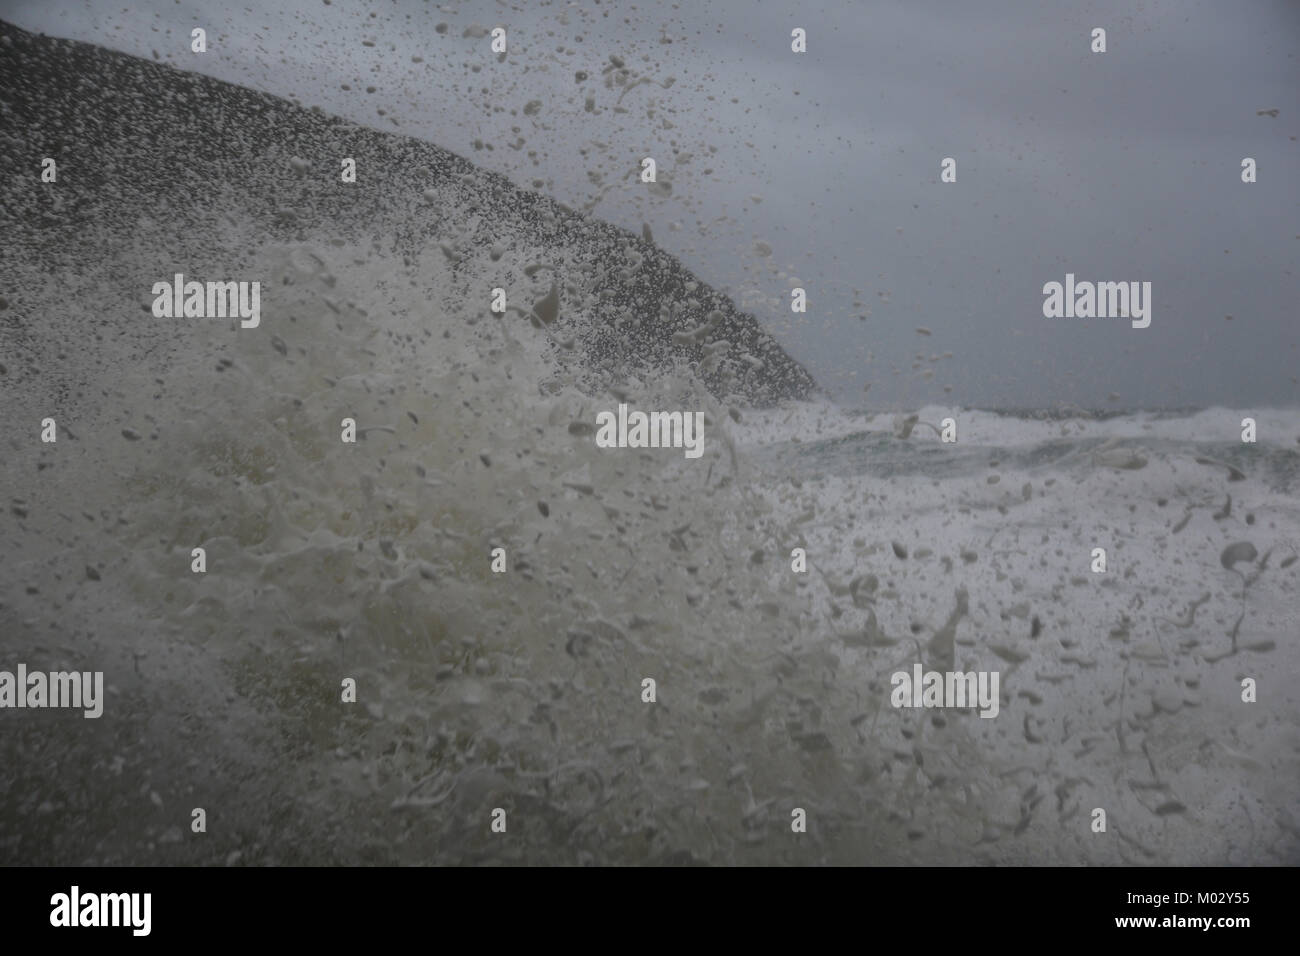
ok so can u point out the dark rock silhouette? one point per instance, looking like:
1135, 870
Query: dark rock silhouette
137, 140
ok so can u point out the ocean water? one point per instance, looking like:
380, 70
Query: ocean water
523, 690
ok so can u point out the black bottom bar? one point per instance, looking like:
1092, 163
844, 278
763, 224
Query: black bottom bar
923, 906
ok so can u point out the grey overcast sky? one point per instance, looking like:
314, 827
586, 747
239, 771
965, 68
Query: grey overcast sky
821, 169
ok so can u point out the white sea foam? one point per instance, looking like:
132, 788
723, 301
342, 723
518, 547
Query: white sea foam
371, 562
